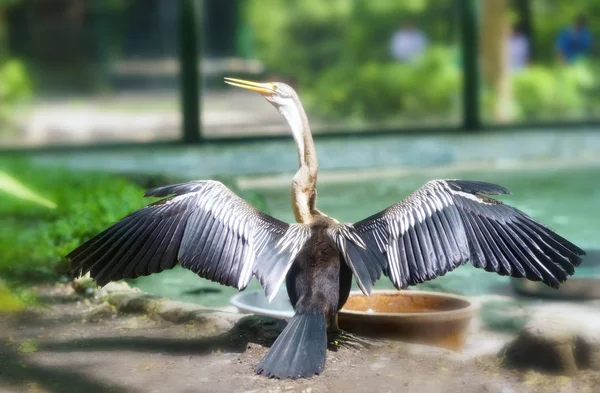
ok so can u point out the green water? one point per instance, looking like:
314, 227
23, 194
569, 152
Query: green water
567, 200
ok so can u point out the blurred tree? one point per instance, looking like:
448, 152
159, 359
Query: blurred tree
106, 31
68, 43
550, 16
4, 4
220, 21
494, 38
337, 53
544, 93
546, 89
14, 79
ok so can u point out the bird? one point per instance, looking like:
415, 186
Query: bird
205, 227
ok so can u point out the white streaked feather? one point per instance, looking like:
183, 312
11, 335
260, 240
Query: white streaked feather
439, 205
422, 204
247, 263
243, 221
388, 227
426, 208
411, 219
348, 232
293, 240
275, 289
393, 261
379, 238
341, 243
405, 222
443, 190
421, 210
260, 238
394, 230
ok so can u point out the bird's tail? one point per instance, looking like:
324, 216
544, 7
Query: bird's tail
299, 351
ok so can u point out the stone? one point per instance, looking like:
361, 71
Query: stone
556, 342
100, 311
142, 303
587, 350
117, 286
219, 321
127, 301
179, 312
83, 284
137, 302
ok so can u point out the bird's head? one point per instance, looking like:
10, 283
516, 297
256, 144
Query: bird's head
278, 94
285, 99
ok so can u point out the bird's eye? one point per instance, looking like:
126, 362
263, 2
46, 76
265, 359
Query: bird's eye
274, 87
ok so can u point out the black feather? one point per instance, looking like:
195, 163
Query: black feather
299, 351
477, 187
462, 224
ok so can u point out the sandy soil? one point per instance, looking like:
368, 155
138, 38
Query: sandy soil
62, 347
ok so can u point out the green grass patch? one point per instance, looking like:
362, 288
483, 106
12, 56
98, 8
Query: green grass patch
10, 302
35, 238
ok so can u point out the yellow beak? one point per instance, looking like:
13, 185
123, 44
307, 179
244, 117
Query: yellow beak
262, 88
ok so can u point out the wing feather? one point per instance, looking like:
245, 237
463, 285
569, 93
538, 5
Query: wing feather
447, 223
201, 225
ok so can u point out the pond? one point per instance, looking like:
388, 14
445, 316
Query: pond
565, 199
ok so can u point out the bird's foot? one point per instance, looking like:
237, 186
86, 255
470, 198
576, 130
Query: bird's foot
339, 338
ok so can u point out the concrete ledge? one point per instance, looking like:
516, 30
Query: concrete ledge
408, 150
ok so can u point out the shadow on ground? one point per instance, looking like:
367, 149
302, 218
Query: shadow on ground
19, 371
250, 329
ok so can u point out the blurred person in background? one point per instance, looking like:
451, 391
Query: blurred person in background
408, 42
574, 42
518, 49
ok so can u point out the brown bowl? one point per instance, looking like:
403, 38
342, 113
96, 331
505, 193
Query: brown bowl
431, 318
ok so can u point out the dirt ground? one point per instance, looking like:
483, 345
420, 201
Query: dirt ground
62, 347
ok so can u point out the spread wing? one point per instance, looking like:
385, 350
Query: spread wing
446, 223
204, 227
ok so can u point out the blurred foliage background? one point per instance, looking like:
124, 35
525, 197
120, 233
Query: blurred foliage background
15, 84
338, 54
34, 236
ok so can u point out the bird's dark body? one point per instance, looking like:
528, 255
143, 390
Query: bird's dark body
318, 284
319, 279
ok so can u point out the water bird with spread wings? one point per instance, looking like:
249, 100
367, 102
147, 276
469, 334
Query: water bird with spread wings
206, 228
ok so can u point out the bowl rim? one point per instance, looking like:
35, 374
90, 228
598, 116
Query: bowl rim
245, 307
468, 310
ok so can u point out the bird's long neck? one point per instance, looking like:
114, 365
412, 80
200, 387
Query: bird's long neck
304, 184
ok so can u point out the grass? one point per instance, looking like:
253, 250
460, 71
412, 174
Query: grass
35, 238
9, 301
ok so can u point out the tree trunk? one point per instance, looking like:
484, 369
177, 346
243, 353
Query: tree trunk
495, 32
